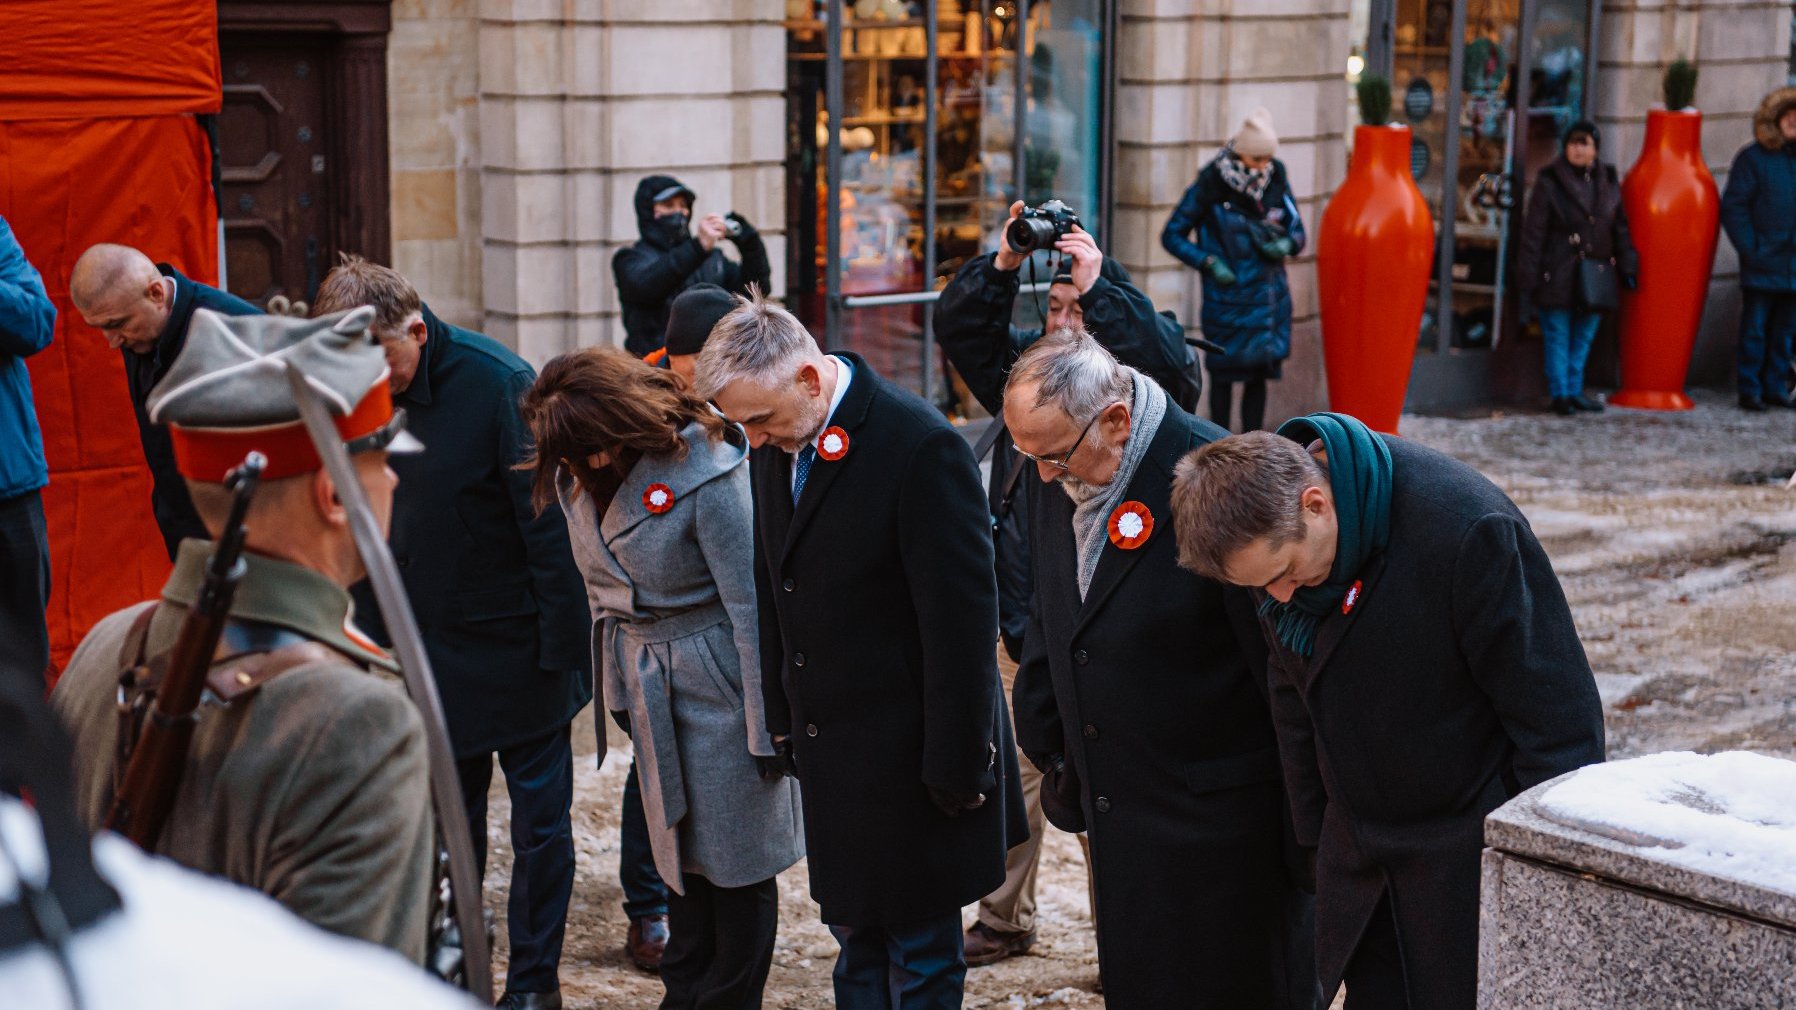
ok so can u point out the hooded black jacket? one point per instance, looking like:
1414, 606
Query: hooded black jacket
661, 265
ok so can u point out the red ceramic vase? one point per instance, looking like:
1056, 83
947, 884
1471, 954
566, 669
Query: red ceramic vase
1372, 258
1672, 209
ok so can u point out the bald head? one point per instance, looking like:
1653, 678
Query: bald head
119, 292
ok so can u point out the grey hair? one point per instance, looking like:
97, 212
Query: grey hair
1072, 371
756, 342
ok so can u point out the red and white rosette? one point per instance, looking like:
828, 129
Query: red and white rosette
1351, 600
833, 443
657, 498
1130, 525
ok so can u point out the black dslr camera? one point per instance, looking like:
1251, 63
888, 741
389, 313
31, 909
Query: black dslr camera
1041, 227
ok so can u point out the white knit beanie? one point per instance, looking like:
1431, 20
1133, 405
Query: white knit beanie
1256, 138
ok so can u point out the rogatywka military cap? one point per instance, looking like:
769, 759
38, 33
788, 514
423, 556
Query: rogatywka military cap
226, 394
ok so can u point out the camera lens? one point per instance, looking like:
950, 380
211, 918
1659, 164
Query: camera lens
1027, 234
732, 227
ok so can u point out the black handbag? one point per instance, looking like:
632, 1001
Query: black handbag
1595, 285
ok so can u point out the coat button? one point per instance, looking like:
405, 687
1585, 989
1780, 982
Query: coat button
810, 729
798, 660
788, 585
1091, 732
1103, 804
1081, 657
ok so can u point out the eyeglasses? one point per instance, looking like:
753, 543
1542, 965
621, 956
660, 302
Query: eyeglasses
1061, 463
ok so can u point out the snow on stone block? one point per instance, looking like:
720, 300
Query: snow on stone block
1729, 815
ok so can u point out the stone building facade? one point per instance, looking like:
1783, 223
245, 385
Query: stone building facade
519, 129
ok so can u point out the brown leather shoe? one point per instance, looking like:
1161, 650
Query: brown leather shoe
647, 941
985, 945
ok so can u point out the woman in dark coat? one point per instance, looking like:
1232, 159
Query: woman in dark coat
655, 488
1574, 213
1236, 226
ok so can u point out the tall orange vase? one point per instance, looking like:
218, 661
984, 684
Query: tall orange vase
1372, 258
1672, 210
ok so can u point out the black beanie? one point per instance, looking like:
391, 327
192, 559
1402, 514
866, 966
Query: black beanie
1587, 128
693, 314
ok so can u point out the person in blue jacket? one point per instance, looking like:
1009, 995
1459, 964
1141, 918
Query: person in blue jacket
27, 321
1758, 211
1236, 226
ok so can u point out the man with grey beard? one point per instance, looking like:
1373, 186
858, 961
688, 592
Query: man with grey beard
1141, 696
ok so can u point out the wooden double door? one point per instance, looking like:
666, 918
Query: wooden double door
302, 142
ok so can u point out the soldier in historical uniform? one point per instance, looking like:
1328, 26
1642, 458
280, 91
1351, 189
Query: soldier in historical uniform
307, 775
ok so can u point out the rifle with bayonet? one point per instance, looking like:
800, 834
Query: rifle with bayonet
153, 775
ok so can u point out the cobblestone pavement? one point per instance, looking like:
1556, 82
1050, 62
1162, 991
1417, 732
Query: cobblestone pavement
1675, 539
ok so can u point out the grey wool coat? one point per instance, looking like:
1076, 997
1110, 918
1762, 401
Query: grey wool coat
676, 644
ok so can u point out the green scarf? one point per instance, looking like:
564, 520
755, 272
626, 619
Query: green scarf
1359, 473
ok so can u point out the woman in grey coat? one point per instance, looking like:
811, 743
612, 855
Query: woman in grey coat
655, 487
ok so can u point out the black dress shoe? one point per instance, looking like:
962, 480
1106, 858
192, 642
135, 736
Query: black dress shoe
647, 941
530, 1000
1587, 404
1752, 404
1779, 400
1563, 406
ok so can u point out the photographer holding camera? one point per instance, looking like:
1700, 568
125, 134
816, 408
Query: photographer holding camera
674, 253
973, 326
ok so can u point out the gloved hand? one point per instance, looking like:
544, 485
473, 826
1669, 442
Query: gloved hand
780, 765
622, 719
744, 229
1632, 281
954, 804
1277, 249
1219, 271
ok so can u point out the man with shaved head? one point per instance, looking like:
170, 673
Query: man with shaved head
143, 309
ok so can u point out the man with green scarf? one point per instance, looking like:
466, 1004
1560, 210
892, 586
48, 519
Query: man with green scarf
1424, 669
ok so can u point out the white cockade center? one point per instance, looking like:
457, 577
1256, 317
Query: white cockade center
832, 444
658, 497
1129, 525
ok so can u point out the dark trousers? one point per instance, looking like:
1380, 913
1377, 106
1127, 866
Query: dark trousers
916, 967
719, 945
1767, 327
644, 892
1253, 403
539, 775
1374, 975
24, 587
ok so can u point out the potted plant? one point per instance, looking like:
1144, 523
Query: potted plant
1373, 252
1672, 209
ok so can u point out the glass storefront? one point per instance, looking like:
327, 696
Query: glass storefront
1459, 71
906, 146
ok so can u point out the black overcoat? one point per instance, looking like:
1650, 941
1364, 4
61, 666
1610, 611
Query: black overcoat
1453, 682
499, 601
173, 508
1153, 688
879, 622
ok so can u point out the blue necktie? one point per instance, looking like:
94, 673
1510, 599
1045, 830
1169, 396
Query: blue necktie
806, 457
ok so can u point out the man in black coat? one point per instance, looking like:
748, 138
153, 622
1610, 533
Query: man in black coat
675, 253
874, 571
498, 599
1141, 697
973, 325
1424, 669
143, 309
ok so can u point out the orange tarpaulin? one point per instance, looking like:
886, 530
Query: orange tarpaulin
98, 143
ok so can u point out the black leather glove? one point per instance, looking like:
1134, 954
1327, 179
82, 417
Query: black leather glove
1631, 280
955, 804
780, 765
1045, 763
1061, 802
744, 230
623, 721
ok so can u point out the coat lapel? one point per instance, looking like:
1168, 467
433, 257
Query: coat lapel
1335, 625
850, 416
1151, 486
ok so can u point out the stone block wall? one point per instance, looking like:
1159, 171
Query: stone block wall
433, 130
1188, 72
1742, 49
